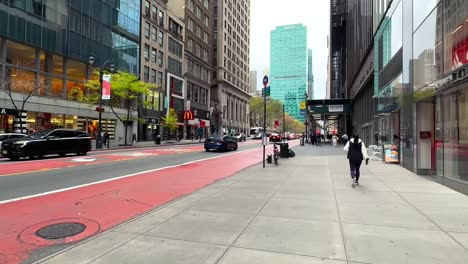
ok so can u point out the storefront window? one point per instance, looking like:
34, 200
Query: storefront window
76, 70
51, 63
427, 53
456, 134
455, 34
439, 137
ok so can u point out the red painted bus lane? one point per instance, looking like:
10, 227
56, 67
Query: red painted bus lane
104, 205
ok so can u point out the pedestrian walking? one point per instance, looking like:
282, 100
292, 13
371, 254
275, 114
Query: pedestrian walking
345, 138
105, 139
335, 140
357, 152
134, 138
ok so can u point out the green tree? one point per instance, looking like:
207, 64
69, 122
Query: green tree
170, 121
127, 92
274, 111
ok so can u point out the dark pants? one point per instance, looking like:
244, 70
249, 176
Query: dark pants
354, 166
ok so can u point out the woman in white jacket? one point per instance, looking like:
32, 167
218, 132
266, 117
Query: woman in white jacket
357, 152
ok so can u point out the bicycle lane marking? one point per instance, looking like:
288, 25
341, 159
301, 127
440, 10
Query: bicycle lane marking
122, 198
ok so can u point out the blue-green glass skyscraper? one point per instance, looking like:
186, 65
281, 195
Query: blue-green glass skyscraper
288, 67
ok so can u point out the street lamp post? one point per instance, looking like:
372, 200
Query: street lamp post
101, 72
306, 118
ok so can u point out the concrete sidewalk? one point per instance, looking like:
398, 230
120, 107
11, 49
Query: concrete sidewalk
303, 211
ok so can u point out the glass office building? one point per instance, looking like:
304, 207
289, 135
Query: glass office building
421, 88
288, 67
45, 47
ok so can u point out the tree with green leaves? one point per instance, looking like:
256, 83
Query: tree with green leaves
170, 121
274, 111
127, 92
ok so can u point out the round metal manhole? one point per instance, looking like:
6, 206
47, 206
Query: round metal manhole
60, 230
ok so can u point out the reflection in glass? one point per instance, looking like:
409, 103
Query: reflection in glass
427, 52
421, 8
455, 34
20, 55
56, 87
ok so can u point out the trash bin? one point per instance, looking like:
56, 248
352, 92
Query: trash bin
284, 150
158, 140
302, 141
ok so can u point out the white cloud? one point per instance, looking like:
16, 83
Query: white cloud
266, 15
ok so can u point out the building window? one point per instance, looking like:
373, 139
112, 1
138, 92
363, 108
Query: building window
175, 47
147, 8
174, 66
191, 4
161, 38
146, 74
160, 78
199, 13
161, 18
160, 58
205, 55
154, 33
147, 30
190, 24
153, 76
205, 37
206, 3
153, 55
146, 52
154, 12
207, 21
190, 45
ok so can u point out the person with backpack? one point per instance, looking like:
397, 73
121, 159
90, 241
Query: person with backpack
357, 152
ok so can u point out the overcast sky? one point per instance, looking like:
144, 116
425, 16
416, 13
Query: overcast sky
267, 14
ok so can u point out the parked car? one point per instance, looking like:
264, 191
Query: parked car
275, 137
240, 137
258, 136
223, 143
7, 136
47, 142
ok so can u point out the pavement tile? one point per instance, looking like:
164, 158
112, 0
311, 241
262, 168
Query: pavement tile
250, 256
91, 249
229, 203
390, 245
423, 187
462, 238
188, 201
457, 200
145, 249
358, 195
384, 214
301, 209
208, 227
306, 194
294, 236
449, 219
149, 221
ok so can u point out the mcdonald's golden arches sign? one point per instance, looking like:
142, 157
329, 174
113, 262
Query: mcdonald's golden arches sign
188, 115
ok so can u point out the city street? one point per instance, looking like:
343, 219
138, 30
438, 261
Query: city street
302, 211
102, 190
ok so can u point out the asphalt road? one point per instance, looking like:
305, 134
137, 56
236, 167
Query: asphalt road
37, 182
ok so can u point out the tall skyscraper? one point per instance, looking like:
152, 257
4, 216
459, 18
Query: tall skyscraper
253, 82
198, 63
288, 67
231, 46
310, 75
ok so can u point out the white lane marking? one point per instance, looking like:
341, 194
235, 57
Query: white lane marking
117, 178
83, 159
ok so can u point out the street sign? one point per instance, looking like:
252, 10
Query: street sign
188, 105
303, 105
188, 115
266, 91
106, 87
265, 80
302, 111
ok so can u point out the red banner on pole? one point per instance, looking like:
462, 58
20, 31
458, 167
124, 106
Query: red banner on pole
106, 86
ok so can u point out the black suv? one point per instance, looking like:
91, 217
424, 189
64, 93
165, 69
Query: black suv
46, 142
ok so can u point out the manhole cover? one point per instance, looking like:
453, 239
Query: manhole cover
60, 230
